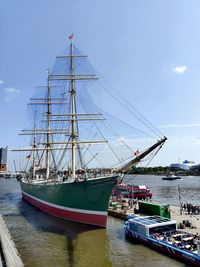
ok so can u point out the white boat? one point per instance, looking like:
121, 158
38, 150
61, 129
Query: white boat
161, 234
171, 176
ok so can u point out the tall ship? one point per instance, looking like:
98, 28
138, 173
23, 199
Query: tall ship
57, 177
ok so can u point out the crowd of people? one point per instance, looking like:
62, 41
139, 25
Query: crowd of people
179, 239
190, 208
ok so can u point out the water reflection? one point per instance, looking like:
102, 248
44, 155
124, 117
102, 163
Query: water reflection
76, 241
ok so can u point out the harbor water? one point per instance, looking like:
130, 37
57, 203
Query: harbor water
43, 240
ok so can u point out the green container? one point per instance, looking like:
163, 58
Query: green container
154, 208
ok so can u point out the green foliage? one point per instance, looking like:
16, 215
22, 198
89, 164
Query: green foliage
148, 170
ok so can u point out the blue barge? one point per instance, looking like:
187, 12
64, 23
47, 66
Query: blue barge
161, 234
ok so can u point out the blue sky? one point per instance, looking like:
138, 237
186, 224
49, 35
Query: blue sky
148, 50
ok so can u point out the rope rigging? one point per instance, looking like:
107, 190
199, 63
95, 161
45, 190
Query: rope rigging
62, 158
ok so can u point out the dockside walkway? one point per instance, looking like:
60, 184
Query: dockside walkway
176, 214
179, 217
9, 251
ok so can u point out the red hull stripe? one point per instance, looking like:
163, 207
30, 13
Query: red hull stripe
85, 216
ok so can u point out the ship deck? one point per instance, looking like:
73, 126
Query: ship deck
61, 180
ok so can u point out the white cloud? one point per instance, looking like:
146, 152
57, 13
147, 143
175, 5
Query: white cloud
11, 93
1, 82
180, 69
190, 125
184, 141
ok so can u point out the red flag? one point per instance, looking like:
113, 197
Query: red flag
71, 36
136, 152
37, 165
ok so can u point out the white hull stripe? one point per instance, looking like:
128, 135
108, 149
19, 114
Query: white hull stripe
104, 213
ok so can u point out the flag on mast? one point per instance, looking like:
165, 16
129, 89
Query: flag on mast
71, 36
137, 152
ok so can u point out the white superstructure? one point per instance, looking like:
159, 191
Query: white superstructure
185, 165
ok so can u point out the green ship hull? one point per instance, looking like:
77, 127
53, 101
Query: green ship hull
81, 201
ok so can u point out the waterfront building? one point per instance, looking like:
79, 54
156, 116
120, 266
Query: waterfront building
185, 165
195, 169
3, 159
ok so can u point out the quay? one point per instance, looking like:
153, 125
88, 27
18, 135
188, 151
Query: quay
189, 222
192, 221
9, 256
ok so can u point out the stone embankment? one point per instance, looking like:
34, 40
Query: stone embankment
10, 256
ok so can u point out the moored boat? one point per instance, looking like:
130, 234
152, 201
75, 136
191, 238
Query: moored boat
140, 192
171, 177
161, 234
56, 178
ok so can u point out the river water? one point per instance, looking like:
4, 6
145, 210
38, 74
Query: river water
45, 241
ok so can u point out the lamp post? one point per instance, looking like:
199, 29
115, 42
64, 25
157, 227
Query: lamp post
179, 196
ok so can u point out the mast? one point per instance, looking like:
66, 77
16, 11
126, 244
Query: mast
68, 78
48, 127
73, 92
15, 166
34, 145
